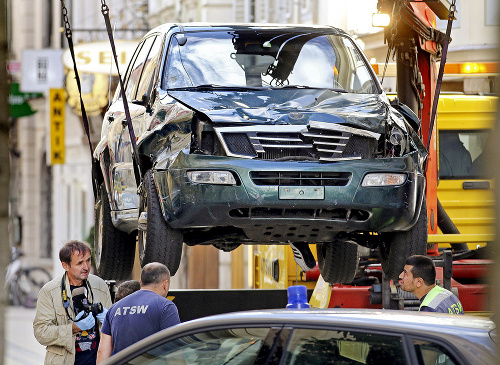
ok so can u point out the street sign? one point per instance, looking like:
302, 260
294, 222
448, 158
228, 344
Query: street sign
96, 57
18, 101
42, 69
13, 67
57, 105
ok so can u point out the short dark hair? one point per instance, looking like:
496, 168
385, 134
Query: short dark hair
73, 246
126, 288
154, 273
423, 267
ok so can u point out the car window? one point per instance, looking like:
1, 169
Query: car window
313, 346
175, 74
268, 58
430, 353
229, 346
135, 71
462, 154
125, 78
148, 70
130, 68
358, 81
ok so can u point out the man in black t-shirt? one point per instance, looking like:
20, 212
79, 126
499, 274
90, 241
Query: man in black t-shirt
139, 314
86, 340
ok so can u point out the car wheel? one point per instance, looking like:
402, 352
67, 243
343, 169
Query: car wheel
396, 247
158, 242
338, 261
114, 249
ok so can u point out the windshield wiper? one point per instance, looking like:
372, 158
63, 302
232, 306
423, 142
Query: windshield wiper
210, 87
293, 87
308, 87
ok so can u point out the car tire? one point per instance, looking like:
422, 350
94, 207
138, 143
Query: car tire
114, 249
338, 261
396, 247
158, 242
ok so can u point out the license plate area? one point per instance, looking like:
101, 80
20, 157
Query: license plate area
301, 192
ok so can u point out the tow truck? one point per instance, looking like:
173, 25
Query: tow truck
417, 46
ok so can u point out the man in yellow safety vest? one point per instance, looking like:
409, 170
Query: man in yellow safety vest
419, 278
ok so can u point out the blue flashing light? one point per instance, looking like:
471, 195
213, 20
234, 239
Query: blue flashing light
297, 297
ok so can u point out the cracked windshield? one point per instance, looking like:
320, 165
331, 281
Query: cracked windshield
268, 60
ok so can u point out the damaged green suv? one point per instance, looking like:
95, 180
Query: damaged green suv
268, 134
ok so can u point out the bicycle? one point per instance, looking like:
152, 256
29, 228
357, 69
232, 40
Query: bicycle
24, 283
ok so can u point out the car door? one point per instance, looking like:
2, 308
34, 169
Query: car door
230, 345
365, 346
454, 350
344, 346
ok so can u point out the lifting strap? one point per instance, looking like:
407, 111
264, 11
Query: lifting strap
69, 37
135, 154
451, 16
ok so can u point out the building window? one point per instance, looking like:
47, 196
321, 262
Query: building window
492, 12
261, 11
442, 24
243, 11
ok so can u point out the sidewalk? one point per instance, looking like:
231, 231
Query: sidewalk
21, 347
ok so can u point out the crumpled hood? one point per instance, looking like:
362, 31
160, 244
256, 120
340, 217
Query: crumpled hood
288, 106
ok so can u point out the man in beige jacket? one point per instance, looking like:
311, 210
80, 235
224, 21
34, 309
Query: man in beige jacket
71, 336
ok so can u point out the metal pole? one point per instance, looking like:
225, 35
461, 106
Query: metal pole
447, 269
4, 171
386, 292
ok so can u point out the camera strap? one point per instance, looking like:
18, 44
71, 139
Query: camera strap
65, 298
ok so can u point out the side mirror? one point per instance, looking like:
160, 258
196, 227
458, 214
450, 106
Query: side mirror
181, 39
144, 100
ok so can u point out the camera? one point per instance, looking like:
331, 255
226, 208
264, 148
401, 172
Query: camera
80, 303
94, 308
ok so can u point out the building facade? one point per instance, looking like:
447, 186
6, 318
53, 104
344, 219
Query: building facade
30, 27
51, 204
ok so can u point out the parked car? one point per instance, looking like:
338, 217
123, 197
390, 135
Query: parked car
332, 336
270, 134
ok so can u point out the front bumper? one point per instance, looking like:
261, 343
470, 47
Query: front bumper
252, 207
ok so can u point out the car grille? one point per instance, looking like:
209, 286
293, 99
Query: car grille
284, 178
239, 143
270, 146
321, 141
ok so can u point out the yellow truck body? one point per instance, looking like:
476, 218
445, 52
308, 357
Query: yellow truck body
275, 268
465, 187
